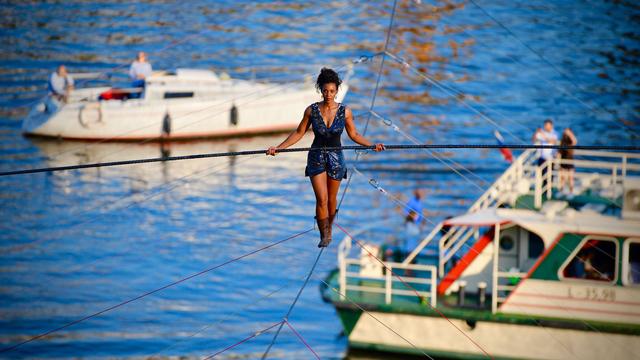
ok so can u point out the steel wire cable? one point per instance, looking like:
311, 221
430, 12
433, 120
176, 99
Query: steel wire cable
550, 64
151, 292
374, 317
632, 148
293, 304
161, 189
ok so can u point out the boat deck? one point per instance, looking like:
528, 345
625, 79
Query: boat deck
448, 306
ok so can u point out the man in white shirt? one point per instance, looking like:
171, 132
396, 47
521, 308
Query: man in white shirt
545, 136
139, 70
60, 84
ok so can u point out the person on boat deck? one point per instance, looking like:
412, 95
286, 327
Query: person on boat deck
411, 233
415, 205
545, 136
325, 168
60, 84
139, 70
567, 169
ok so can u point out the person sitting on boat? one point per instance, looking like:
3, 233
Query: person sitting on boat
60, 84
326, 168
567, 169
584, 267
139, 70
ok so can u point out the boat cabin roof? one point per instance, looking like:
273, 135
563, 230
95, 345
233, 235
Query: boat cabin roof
554, 219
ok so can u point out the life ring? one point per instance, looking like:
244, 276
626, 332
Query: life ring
85, 119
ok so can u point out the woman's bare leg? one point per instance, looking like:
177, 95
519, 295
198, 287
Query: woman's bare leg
571, 180
333, 186
319, 184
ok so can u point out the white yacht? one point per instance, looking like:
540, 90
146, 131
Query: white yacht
184, 104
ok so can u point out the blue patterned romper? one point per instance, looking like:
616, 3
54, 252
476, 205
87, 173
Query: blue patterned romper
320, 160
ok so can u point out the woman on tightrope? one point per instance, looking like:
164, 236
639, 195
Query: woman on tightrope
325, 168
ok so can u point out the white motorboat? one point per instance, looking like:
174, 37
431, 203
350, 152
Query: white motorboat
184, 104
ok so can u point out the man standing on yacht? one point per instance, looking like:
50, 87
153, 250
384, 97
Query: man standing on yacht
139, 70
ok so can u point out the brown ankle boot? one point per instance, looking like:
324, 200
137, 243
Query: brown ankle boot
325, 234
331, 218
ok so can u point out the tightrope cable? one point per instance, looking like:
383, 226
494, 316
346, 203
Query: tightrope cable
633, 148
373, 97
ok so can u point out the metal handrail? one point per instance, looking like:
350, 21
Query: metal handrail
389, 278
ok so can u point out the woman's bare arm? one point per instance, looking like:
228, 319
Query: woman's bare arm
353, 132
295, 135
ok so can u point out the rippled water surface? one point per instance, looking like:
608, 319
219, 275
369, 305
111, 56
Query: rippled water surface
73, 243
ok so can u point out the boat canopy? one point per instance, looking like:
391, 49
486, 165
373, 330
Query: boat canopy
485, 217
550, 222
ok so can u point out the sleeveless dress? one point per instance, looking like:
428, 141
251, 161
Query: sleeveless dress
319, 159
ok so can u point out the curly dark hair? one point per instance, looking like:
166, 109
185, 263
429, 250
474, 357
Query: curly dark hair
327, 76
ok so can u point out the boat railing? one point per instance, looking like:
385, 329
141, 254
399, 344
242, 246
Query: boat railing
504, 282
452, 242
609, 168
453, 239
392, 279
494, 195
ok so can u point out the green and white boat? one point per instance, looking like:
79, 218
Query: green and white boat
529, 272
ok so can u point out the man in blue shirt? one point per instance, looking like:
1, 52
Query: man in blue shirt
415, 205
60, 84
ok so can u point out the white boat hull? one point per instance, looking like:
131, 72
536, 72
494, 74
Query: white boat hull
436, 337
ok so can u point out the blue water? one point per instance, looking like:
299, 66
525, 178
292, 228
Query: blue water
74, 243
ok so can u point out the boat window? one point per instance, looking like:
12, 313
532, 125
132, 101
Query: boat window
536, 246
178, 94
631, 264
506, 243
596, 260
